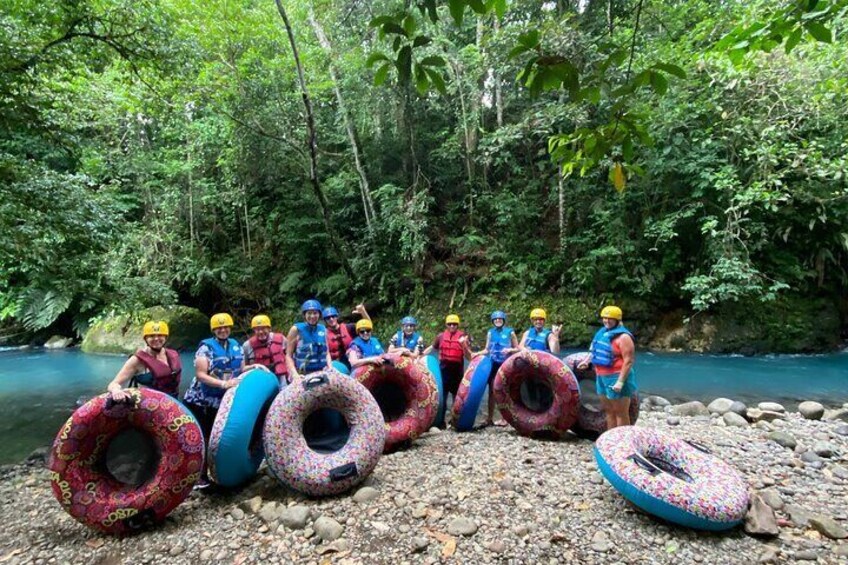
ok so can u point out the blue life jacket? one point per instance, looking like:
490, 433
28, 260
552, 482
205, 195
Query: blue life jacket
410, 342
601, 348
311, 352
225, 365
499, 339
537, 340
370, 348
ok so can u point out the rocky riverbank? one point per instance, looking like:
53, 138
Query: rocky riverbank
485, 497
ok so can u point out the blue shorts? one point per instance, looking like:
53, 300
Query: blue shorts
603, 386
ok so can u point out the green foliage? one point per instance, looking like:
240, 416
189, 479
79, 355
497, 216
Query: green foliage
155, 154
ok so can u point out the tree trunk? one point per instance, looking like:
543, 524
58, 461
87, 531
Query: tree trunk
561, 211
497, 78
367, 201
313, 150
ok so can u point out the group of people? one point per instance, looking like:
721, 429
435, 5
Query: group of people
312, 346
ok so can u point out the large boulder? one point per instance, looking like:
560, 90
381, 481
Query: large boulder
122, 333
58, 342
693, 408
720, 405
811, 410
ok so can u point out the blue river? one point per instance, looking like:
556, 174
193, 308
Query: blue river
39, 388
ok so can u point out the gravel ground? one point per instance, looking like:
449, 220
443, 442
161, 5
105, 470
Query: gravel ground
488, 496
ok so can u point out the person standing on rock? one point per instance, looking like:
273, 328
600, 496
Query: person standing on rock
153, 366
453, 347
266, 349
340, 335
613, 352
217, 365
501, 342
537, 338
307, 350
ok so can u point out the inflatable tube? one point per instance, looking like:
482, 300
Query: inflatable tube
591, 418
431, 363
406, 394
676, 480
548, 375
324, 472
470, 393
235, 442
81, 461
341, 367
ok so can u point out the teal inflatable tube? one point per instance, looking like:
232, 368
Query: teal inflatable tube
235, 444
341, 368
470, 393
432, 364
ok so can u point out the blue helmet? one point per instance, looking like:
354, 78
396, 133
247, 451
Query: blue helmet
409, 320
499, 314
330, 311
310, 305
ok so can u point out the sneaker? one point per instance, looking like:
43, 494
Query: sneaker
202, 484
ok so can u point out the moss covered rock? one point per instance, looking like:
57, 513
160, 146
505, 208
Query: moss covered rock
122, 333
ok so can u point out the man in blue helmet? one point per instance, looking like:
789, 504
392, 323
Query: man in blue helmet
501, 342
340, 335
307, 350
407, 341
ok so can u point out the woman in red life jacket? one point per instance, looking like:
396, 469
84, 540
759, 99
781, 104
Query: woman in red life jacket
265, 349
454, 347
340, 335
152, 366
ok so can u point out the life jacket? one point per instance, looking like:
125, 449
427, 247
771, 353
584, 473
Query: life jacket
603, 353
271, 353
311, 352
370, 348
338, 340
537, 340
226, 363
498, 341
164, 377
450, 349
411, 343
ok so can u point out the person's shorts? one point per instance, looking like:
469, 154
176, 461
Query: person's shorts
603, 386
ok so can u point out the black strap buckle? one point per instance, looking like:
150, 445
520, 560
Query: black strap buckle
645, 464
314, 382
343, 472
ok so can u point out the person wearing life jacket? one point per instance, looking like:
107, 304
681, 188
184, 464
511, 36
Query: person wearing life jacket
266, 349
407, 341
217, 365
340, 335
613, 352
538, 338
501, 342
153, 366
453, 347
365, 348
307, 350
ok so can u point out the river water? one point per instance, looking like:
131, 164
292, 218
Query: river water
39, 388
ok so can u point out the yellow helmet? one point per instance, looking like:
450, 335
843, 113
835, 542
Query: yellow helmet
538, 313
260, 321
452, 319
364, 325
220, 321
155, 328
613, 312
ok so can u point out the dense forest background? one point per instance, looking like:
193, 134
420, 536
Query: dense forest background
680, 154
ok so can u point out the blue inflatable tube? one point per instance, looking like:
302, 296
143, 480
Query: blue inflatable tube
235, 451
471, 392
432, 364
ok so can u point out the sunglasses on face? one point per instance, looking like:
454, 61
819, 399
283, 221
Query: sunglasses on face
453, 325
364, 331
331, 317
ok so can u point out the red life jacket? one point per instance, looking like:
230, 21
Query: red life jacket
271, 354
338, 340
449, 347
166, 376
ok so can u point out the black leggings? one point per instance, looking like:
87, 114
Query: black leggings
206, 418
